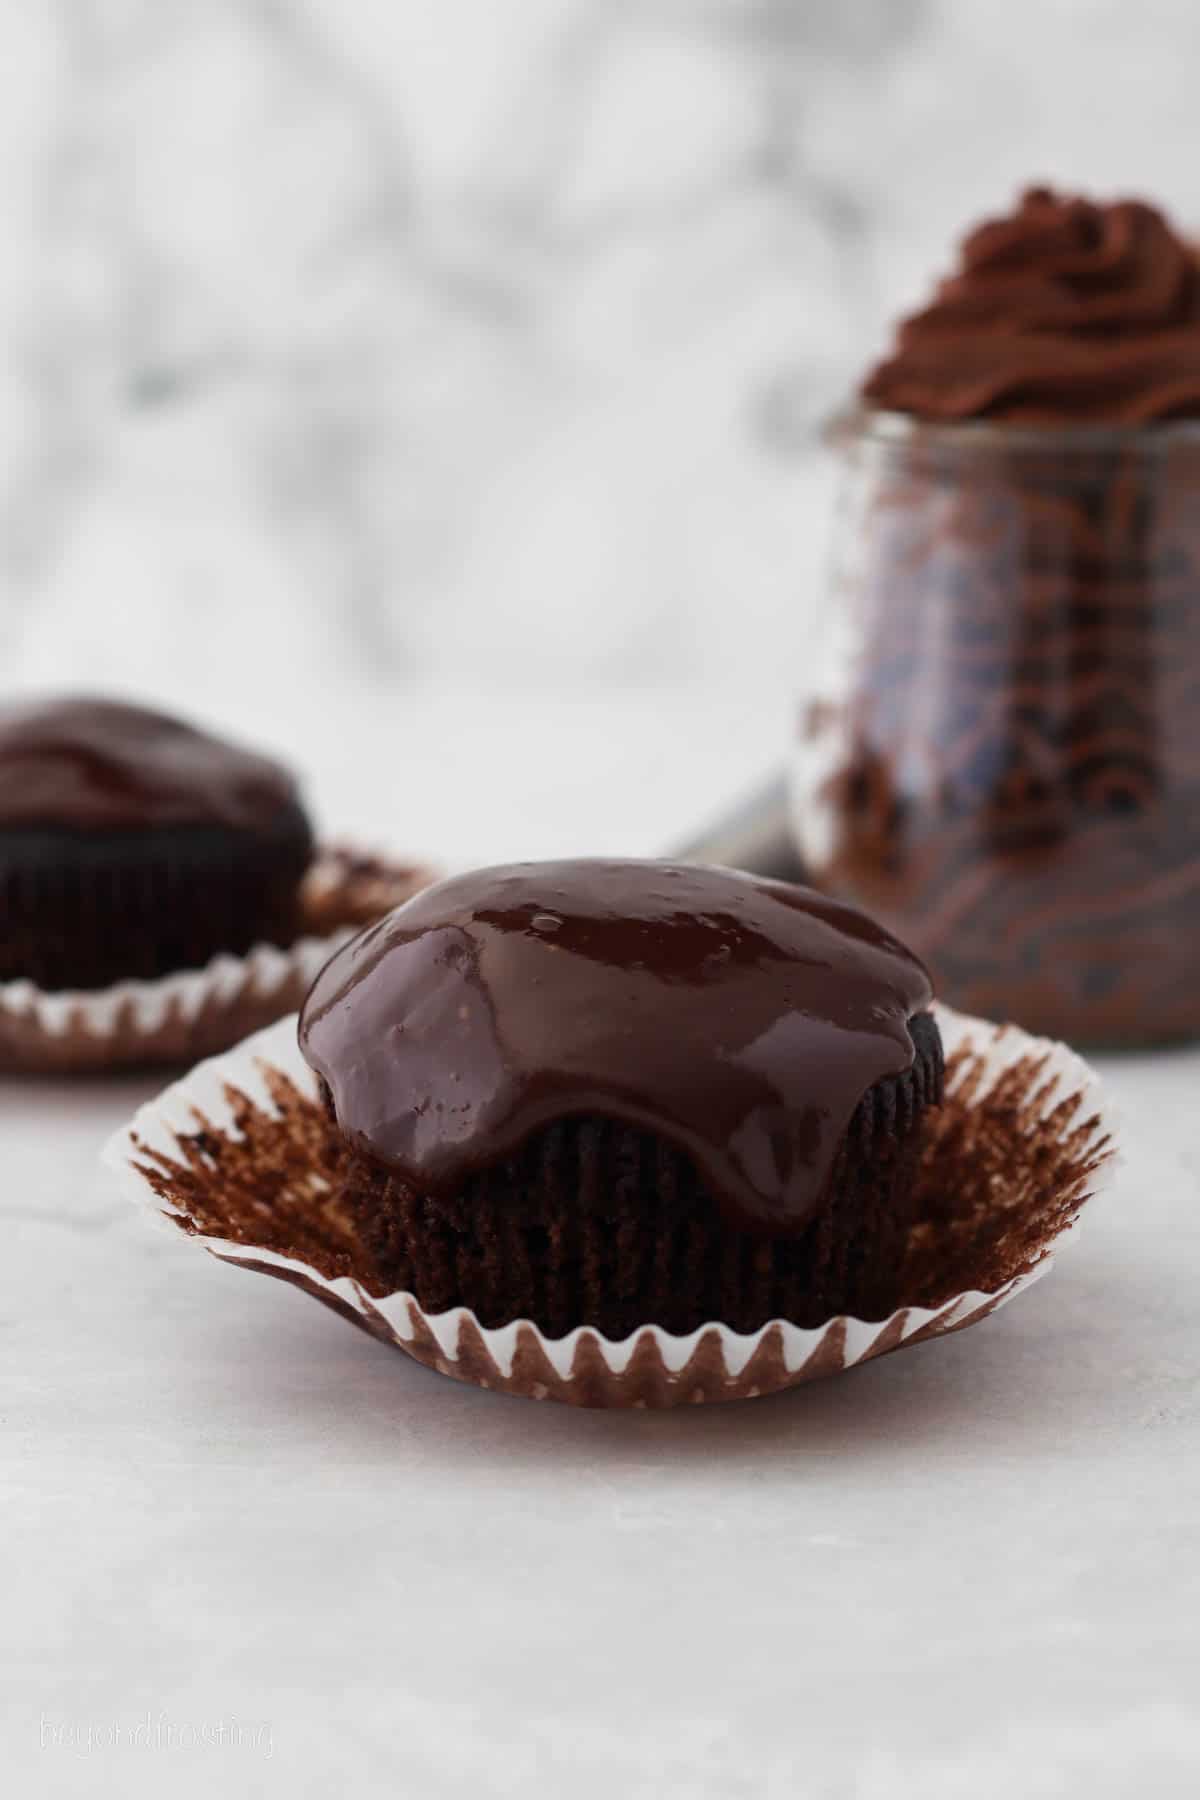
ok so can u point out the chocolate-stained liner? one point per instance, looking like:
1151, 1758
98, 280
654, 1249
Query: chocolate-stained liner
194, 1013
263, 1076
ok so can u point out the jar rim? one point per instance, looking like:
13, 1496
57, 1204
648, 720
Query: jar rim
858, 421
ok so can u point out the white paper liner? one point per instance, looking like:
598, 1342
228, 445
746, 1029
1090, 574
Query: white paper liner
195, 1012
652, 1366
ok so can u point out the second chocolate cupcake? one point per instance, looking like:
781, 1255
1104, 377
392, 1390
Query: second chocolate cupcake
133, 845
616, 1094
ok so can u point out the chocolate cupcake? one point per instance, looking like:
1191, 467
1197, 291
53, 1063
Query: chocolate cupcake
133, 845
618, 1093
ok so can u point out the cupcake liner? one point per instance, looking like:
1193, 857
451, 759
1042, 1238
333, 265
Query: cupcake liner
198, 1012
237, 1155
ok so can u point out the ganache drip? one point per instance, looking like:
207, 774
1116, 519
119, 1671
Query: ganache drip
740, 1019
94, 765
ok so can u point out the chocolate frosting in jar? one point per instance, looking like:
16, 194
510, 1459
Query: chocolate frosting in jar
740, 1019
93, 765
1066, 310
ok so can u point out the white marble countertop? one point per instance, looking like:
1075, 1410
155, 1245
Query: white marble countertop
969, 1569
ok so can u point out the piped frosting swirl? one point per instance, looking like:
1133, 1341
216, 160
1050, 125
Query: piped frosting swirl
1064, 311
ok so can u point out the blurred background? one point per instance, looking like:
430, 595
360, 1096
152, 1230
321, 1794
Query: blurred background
429, 389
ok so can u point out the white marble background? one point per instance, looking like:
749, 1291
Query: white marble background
454, 366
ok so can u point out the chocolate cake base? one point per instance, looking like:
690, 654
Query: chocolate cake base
83, 909
597, 1223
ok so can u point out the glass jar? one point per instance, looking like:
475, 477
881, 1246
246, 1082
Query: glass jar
999, 753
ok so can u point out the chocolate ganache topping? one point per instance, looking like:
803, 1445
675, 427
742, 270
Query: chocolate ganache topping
740, 1019
1064, 311
93, 765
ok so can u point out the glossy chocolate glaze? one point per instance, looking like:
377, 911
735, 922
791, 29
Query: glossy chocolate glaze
740, 1019
94, 765
1064, 310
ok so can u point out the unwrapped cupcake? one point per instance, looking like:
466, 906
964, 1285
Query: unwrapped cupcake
617, 1094
627, 1134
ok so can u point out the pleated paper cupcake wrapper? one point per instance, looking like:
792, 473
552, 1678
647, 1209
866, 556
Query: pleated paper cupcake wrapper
237, 1154
198, 1012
